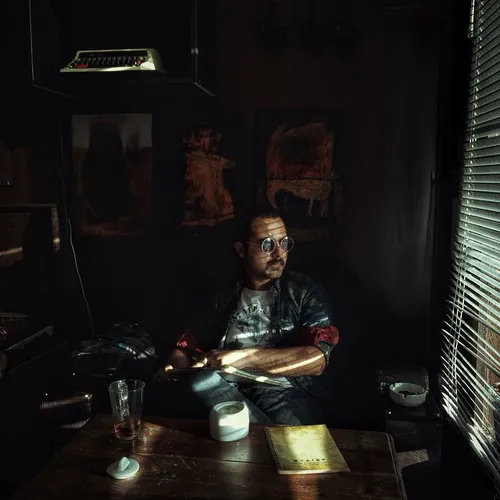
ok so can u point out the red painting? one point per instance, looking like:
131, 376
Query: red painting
302, 177
207, 199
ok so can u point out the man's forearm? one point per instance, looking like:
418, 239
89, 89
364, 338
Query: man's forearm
286, 361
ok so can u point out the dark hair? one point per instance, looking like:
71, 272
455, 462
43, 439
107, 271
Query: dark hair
245, 221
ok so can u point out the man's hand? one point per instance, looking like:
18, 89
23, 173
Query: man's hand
178, 359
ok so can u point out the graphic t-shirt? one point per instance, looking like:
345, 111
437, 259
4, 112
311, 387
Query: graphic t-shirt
250, 323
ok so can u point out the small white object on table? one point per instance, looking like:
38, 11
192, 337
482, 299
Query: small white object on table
229, 421
409, 395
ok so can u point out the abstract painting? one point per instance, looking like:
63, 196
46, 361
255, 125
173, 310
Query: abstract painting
302, 180
210, 158
112, 168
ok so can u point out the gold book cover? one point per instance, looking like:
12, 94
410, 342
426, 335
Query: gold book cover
304, 449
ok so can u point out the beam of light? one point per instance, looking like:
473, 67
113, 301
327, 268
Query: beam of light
19, 250
298, 364
253, 376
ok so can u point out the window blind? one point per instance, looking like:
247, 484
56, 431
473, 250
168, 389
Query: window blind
471, 331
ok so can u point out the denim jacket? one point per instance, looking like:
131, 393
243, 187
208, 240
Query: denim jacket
300, 315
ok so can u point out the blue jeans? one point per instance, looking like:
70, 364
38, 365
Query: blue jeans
194, 395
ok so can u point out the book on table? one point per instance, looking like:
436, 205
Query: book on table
304, 449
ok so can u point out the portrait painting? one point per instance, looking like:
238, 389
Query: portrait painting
297, 151
210, 157
112, 168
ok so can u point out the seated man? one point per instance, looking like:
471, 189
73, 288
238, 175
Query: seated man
273, 321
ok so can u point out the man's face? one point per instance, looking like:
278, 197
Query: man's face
262, 266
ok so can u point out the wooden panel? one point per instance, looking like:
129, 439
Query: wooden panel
179, 459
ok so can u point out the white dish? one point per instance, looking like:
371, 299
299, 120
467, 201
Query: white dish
416, 398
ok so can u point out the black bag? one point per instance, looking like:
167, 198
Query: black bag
124, 340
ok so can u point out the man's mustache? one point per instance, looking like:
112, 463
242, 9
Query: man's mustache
276, 261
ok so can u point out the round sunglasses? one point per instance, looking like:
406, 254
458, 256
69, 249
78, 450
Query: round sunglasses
268, 245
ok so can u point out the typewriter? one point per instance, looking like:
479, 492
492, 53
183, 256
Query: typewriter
109, 60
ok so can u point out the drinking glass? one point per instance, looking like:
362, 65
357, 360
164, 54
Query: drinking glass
126, 404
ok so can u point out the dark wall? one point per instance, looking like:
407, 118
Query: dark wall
387, 88
378, 267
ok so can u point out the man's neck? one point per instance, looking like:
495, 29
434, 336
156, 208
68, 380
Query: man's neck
259, 285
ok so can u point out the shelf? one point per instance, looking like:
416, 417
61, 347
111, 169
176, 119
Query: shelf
145, 90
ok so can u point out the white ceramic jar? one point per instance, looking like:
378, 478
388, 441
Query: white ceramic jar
229, 421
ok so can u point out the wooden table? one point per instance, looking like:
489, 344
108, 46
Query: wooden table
179, 459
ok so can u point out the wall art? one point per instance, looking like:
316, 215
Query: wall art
112, 168
208, 151
296, 151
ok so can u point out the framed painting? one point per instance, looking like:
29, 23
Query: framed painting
298, 152
208, 150
112, 168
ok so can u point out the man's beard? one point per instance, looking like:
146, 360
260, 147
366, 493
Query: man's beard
274, 268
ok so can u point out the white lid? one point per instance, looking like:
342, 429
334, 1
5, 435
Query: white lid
123, 468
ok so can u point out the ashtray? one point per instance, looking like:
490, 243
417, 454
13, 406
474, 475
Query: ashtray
409, 395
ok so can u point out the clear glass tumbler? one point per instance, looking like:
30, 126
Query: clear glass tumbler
126, 404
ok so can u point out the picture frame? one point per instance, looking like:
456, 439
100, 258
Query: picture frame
201, 164
296, 151
112, 170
